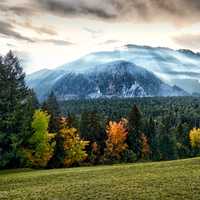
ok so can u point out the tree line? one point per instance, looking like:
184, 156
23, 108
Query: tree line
39, 135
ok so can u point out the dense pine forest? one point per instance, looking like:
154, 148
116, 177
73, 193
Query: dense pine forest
54, 134
184, 109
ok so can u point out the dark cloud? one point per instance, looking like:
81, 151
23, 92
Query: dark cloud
177, 10
7, 30
191, 41
78, 7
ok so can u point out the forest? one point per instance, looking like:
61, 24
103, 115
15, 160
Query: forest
53, 134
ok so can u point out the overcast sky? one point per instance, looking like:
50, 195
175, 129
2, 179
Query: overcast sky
48, 33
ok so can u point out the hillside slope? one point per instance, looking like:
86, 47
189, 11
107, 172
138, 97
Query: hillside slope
114, 79
149, 181
175, 67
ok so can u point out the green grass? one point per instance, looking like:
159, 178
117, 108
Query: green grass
174, 180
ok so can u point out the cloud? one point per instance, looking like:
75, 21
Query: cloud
178, 11
94, 33
184, 73
7, 30
39, 29
110, 41
24, 57
26, 9
101, 9
191, 41
57, 42
22, 10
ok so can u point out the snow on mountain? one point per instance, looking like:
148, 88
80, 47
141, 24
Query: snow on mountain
170, 67
115, 79
43, 81
134, 91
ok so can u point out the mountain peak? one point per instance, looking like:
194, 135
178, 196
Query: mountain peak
163, 66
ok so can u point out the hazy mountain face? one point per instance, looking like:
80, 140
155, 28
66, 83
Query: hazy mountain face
115, 79
173, 67
111, 73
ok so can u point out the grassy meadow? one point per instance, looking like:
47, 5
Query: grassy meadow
178, 179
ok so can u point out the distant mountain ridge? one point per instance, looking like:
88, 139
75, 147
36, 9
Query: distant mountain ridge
180, 68
115, 79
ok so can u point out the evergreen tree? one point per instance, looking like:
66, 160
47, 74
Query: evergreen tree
52, 107
72, 121
167, 140
152, 136
183, 141
134, 130
91, 129
13, 100
90, 126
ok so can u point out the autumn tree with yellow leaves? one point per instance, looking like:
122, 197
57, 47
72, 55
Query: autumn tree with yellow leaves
40, 146
74, 146
195, 138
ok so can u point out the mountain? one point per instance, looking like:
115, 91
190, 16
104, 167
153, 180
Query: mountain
43, 81
175, 67
114, 79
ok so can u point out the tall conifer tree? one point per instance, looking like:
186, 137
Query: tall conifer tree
13, 100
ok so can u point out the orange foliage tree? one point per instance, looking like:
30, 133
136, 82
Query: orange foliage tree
117, 135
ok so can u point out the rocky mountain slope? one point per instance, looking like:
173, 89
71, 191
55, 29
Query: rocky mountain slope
114, 79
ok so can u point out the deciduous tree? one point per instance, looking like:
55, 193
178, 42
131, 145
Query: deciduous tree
73, 145
41, 148
195, 138
116, 137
